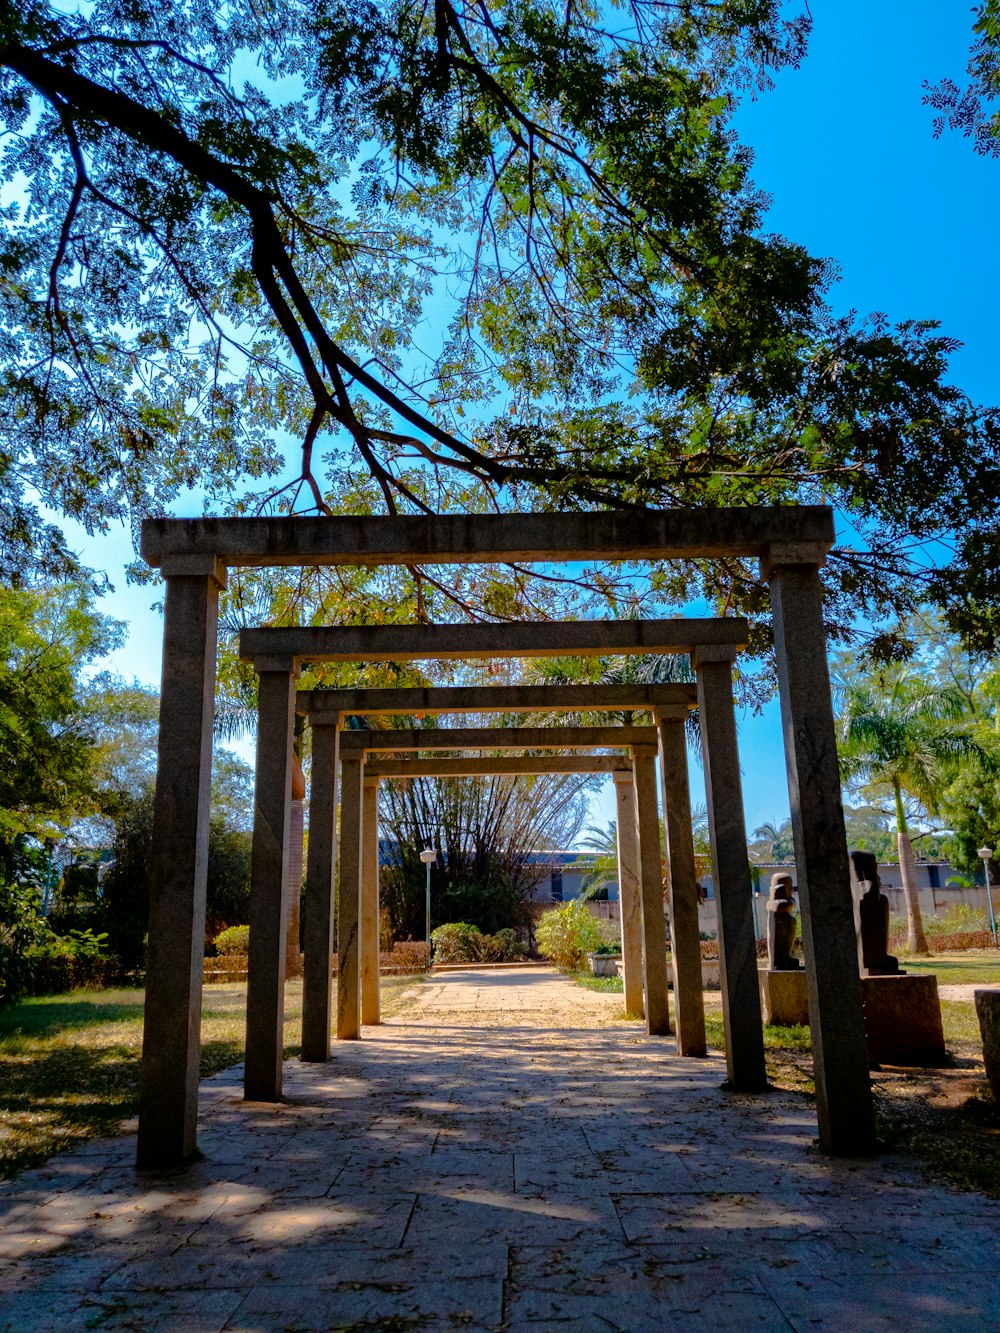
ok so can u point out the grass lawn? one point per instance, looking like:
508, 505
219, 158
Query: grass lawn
605, 985
69, 1064
976, 967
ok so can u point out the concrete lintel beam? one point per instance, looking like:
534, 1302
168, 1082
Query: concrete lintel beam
521, 765
409, 643
391, 739
629, 535
417, 701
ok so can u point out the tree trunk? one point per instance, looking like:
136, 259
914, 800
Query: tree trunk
916, 940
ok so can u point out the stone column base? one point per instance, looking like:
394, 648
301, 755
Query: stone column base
784, 999
903, 1020
988, 1012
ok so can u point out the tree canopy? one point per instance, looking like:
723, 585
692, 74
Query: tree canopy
47, 750
973, 109
352, 256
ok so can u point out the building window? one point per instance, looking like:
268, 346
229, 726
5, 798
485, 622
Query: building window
557, 886
934, 877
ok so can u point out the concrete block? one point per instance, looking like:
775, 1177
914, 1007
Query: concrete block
988, 1013
903, 1020
784, 997
711, 974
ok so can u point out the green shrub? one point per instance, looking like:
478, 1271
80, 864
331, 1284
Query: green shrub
67, 962
959, 919
608, 947
235, 940
567, 934
457, 942
21, 928
507, 946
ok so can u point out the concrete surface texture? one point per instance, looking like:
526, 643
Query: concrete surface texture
462, 641
475, 538
432, 699
509, 1157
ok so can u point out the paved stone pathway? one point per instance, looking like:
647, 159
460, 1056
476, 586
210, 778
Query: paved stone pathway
484, 1166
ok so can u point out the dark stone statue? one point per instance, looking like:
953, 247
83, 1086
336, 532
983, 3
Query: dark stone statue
781, 925
874, 908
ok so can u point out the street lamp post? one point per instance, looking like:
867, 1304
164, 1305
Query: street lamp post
985, 854
428, 856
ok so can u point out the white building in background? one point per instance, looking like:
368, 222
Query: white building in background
562, 875
565, 872
934, 893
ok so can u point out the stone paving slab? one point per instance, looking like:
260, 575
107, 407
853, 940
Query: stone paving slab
511, 1157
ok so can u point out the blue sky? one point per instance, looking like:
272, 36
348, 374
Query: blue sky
845, 150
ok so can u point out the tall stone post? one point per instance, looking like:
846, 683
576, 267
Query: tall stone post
682, 881
731, 870
268, 877
836, 1024
348, 897
171, 1042
628, 892
293, 884
369, 905
654, 940
317, 925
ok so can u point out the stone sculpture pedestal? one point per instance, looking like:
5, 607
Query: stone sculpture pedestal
988, 1012
903, 1020
784, 999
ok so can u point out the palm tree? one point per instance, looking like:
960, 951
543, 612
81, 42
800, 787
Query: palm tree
907, 736
602, 874
777, 838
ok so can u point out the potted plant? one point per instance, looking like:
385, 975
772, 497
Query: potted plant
605, 959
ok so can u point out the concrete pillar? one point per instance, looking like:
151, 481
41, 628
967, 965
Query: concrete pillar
348, 897
268, 877
840, 1058
682, 882
171, 1043
730, 870
293, 883
317, 925
628, 892
654, 942
369, 904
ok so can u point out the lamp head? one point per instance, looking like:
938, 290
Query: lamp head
428, 856
984, 853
